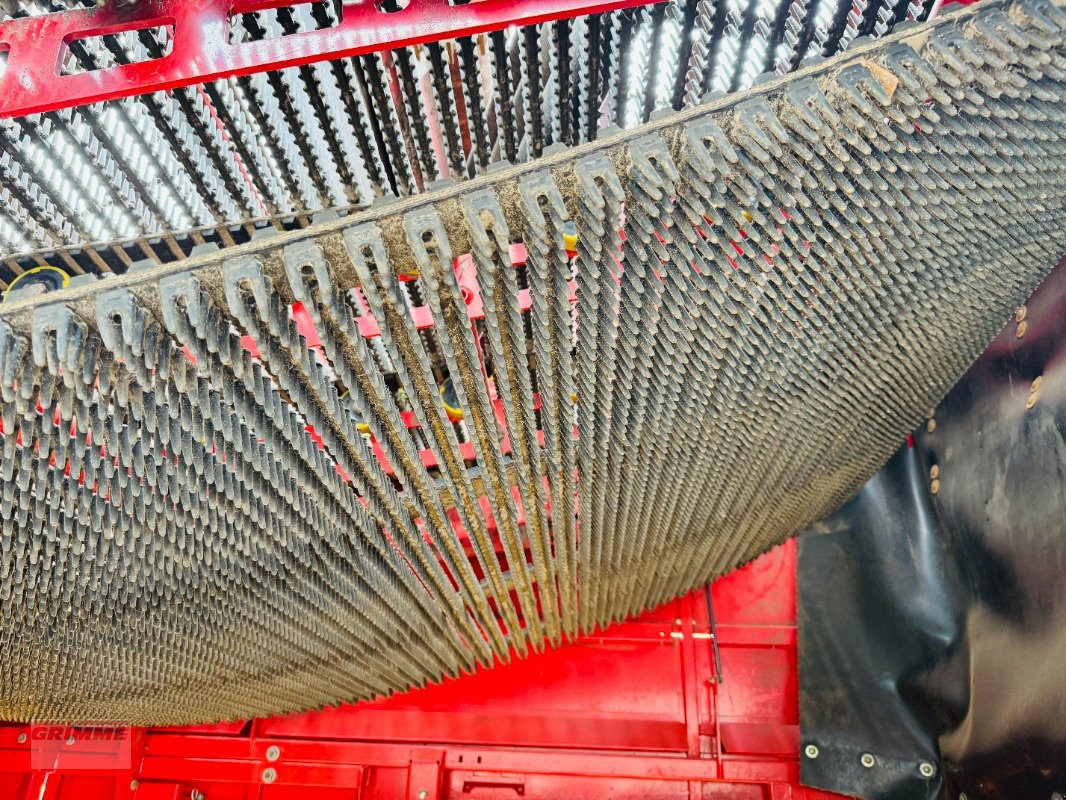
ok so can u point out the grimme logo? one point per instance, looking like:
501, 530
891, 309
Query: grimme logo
82, 745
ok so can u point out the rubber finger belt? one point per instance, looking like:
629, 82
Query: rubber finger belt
468, 443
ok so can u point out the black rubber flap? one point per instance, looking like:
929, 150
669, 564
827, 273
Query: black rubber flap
932, 622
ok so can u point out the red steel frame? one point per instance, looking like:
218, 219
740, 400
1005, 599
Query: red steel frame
34, 46
634, 711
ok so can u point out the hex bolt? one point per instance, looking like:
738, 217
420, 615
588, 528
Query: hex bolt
926, 769
811, 751
22, 738
273, 753
269, 775
867, 760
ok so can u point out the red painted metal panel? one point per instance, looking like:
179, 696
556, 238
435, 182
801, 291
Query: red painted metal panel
636, 710
161, 791
201, 50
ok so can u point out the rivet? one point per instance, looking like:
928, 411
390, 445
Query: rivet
811, 751
934, 486
273, 753
269, 775
962, 796
1031, 402
133, 785
934, 471
866, 760
22, 738
1023, 326
196, 794
71, 739
422, 794
930, 425
1020, 314
930, 413
927, 769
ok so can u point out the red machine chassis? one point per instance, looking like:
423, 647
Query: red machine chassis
638, 710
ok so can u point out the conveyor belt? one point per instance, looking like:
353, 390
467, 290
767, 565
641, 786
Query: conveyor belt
770, 291
338, 134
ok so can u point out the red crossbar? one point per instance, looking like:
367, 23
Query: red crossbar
34, 46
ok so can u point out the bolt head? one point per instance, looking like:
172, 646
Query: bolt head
133, 785
273, 753
22, 738
269, 775
926, 769
71, 740
422, 794
811, 751
867, 760
196, 794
